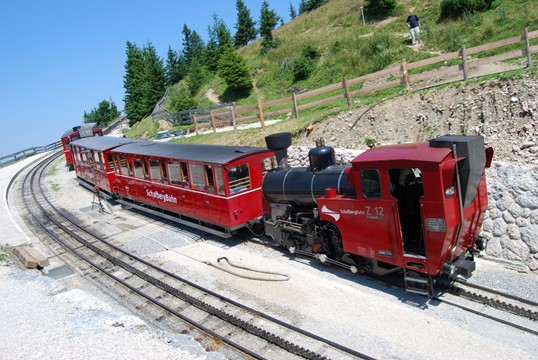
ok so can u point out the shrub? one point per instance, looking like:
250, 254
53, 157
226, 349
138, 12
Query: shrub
180, 100
234, 71
453, 9
305, 65
381, 8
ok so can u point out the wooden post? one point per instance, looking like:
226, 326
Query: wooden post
232, 111
195, 123
213, 121
260, 113
405, 75
295, 109
528, 47
464, 63
345, 85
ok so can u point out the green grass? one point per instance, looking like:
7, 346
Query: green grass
349, 48
5, 259
54, 186
52, 170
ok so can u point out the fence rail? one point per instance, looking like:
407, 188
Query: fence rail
387, 78
19, 155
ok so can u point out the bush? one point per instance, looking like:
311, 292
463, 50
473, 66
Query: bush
305, 65
180, 99
454, 9
234, 71
381, 8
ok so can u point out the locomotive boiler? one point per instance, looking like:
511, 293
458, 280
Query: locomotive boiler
411, 207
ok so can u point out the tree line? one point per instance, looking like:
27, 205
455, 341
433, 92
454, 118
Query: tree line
147, 76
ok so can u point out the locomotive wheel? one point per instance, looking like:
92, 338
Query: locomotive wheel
335, 243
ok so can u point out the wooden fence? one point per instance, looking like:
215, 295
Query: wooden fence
384, 79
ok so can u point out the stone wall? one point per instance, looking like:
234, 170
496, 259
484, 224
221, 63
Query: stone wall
511, 221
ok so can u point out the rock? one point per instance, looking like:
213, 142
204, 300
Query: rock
494, 247
528, 201
529, 235
499, 227
533, 265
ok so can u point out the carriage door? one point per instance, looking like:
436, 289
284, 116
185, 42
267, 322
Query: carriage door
407, 188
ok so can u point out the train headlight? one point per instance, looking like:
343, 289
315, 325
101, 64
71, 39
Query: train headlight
451, 191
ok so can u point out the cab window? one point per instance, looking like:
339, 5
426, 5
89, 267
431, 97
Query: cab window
239, 178
371, 186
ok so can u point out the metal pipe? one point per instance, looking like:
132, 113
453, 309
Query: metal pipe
460, 205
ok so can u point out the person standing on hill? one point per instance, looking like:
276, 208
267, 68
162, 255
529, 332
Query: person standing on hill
414, 26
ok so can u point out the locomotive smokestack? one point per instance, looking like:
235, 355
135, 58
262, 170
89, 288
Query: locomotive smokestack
279, 143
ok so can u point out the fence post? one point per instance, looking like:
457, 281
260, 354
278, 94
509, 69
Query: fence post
195, 123
528, 47
464, 63
295, 109
213, 121
405, 75
232, 111
345, 85
260, 113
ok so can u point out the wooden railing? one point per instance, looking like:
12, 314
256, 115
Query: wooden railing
384, 79
19, 155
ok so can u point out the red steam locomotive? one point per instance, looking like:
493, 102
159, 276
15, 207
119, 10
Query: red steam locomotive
75, 133
416, 207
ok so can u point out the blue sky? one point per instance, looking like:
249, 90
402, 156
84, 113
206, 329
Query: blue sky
59, 58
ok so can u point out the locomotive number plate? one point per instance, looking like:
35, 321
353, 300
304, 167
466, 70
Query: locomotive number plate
435, 225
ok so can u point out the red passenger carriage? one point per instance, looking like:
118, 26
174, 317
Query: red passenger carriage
93, 162
75, 133
215, 188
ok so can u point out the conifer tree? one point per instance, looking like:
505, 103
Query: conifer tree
293, 12
132, 83
193, 45
234, 70
103, 114
245, 26
220, 39
268, 20
154, 80
175, 67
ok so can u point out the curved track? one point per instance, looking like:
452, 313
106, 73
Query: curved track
251, 332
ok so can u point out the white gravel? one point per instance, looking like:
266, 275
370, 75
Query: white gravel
365, 315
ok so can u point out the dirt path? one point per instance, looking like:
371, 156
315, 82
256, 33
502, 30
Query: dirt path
212, 96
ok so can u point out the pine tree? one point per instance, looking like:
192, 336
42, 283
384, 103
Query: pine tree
245, 26
293, 12
154, 80
174, 69
220, 39
144, 81
193, 45
132, 83
268, 20
233, 69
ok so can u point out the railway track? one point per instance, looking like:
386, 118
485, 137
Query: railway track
248, 331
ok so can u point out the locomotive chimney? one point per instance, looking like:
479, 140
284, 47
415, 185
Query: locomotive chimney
279, 143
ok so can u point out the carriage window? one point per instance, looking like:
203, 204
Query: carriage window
139, 168
155, 170
111, 164
197, 176
371, 186
162, 163
97, 158
185, 173
209, 177
239, 178
175, 173
220, 180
